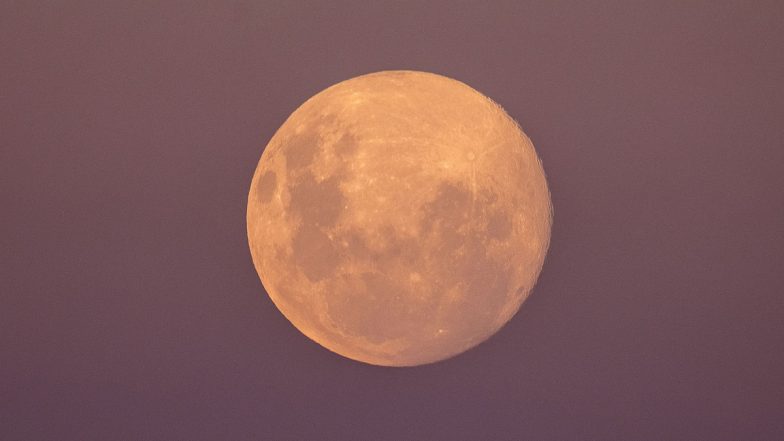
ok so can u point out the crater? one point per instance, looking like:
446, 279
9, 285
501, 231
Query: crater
266, 186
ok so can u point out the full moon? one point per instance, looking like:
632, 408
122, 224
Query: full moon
399, 218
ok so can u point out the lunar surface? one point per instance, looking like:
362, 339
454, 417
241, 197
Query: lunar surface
399, 218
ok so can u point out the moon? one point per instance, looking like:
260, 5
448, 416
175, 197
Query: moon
399, 218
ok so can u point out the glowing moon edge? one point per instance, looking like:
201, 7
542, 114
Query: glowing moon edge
399, 218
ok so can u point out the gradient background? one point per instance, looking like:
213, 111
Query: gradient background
130, 306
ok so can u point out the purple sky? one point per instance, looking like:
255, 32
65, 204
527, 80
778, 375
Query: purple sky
129, 306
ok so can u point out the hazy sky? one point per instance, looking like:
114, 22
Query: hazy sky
129, 306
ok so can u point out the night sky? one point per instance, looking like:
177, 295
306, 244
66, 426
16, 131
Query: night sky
130, 308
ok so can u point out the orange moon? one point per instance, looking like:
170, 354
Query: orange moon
399, 218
